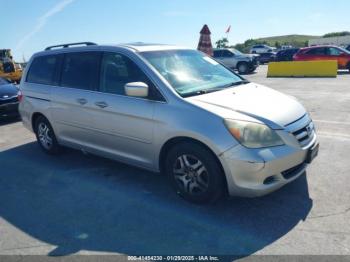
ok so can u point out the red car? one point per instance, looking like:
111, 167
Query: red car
324, 53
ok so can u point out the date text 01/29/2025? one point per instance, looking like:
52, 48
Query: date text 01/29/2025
173, 258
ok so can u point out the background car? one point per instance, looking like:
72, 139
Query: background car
348, 48
232, 58
286, 55
266, 57
284, 47
325, 53
9, 98
259, 49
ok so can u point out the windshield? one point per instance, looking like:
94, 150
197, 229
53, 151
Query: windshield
344, 50
190, 72
235, 51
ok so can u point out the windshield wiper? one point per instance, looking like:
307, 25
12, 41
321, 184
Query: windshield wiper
242, 82
195, 93
210, 90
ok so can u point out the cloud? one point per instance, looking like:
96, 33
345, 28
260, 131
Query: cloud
42, 21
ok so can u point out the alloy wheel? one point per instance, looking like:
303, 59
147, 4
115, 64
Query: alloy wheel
191, 174
44, 135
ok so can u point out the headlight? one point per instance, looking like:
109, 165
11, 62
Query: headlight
253, 135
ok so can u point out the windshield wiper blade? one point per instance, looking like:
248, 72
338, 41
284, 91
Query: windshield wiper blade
210, 90
242, 82
195, 93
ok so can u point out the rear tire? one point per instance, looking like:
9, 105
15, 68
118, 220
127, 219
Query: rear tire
195, 173
45, 136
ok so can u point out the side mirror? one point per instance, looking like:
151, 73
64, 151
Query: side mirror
137, 89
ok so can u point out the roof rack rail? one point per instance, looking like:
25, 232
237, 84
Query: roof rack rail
68, 45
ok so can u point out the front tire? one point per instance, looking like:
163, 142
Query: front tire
195, 173
243, 68
45, 136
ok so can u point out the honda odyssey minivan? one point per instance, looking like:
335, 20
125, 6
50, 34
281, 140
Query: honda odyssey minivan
171, 110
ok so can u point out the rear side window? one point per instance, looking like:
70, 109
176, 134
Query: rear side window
217, 53
42, 70
316, 51
81, 70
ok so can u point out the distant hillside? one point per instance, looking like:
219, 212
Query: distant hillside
287, 39
276, 41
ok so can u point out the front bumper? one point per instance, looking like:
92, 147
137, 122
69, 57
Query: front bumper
257, 172
10, 109
253, 64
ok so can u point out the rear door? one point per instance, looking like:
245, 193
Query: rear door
314, 54
124, 125
72, 100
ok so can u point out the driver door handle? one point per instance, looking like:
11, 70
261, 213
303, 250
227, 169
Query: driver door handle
82, 101
101, 104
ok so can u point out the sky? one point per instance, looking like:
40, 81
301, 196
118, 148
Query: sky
28, 26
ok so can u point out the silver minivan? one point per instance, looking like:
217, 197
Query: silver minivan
171, 110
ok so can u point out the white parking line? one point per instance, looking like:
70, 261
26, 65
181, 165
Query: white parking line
334, 135
331, 122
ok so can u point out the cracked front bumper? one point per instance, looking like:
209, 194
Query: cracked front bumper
257, 172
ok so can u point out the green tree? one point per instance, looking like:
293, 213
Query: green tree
333, 34
222, 43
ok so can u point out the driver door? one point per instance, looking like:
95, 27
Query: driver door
124, 124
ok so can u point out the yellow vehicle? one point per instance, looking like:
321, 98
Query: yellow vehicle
8, 68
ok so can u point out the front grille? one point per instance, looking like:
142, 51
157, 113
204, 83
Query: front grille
305, 134
303, 130
291, 172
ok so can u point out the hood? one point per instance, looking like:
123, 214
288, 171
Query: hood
262, 103
251, 56
9, 90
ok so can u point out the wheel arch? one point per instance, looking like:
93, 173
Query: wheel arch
183, 139
35, 116
348, 65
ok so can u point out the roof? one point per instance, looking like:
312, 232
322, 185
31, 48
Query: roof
143, 47
316, 46
137, 46
133, 47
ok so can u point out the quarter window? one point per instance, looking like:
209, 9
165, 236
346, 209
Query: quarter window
217, 53
42, 70
81, 70
316, 51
